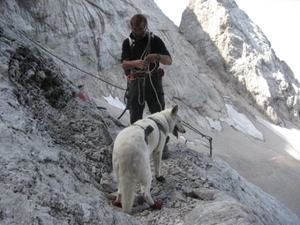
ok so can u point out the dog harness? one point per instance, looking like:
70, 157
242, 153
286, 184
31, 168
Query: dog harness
148, 130
160, 128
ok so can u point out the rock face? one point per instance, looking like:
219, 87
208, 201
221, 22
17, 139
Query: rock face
237, 50
89, 34
55, 159
227, 48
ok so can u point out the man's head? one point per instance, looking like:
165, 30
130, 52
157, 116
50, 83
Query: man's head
139, 26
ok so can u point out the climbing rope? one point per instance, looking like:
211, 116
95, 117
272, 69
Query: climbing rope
64, 61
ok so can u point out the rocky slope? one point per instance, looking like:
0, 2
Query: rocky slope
56, 159
239, 52
56, 148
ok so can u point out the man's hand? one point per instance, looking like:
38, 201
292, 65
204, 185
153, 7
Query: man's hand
164, 59
141, 64
151, 58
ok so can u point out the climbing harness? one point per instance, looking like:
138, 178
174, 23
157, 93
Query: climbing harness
140, 75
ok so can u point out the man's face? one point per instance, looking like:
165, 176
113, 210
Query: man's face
139, 32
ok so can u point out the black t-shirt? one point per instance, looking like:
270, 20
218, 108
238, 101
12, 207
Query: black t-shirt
139, 46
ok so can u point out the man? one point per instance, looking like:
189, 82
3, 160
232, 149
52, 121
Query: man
141, 55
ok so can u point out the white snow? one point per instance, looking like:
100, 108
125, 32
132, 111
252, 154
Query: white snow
240, 122
115, 102
289, 135
215, 124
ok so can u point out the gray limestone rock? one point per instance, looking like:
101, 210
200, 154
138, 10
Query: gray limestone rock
55, 147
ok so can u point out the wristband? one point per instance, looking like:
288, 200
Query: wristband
158, 57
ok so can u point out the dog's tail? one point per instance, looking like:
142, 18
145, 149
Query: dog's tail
126, 184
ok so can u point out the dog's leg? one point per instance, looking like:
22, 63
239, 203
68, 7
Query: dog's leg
146, 193
148, 198
116, 202
124, 178
161, 179
157, 165
145, 177
157, 205
117, 199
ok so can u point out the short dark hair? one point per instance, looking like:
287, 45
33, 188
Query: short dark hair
137, 20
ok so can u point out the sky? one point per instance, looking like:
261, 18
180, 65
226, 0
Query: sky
277, 18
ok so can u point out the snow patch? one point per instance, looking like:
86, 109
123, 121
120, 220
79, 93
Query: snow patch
289, 135
240, 122
115, 102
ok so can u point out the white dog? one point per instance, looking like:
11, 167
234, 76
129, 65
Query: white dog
131, 155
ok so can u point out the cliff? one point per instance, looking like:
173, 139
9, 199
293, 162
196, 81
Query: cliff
56, 149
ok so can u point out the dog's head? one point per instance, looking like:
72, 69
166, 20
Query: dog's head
175, 122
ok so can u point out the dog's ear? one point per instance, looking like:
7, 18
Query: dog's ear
175, 109
168, 105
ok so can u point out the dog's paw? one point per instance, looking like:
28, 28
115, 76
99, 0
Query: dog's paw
115, 203
157, 204
161, 179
